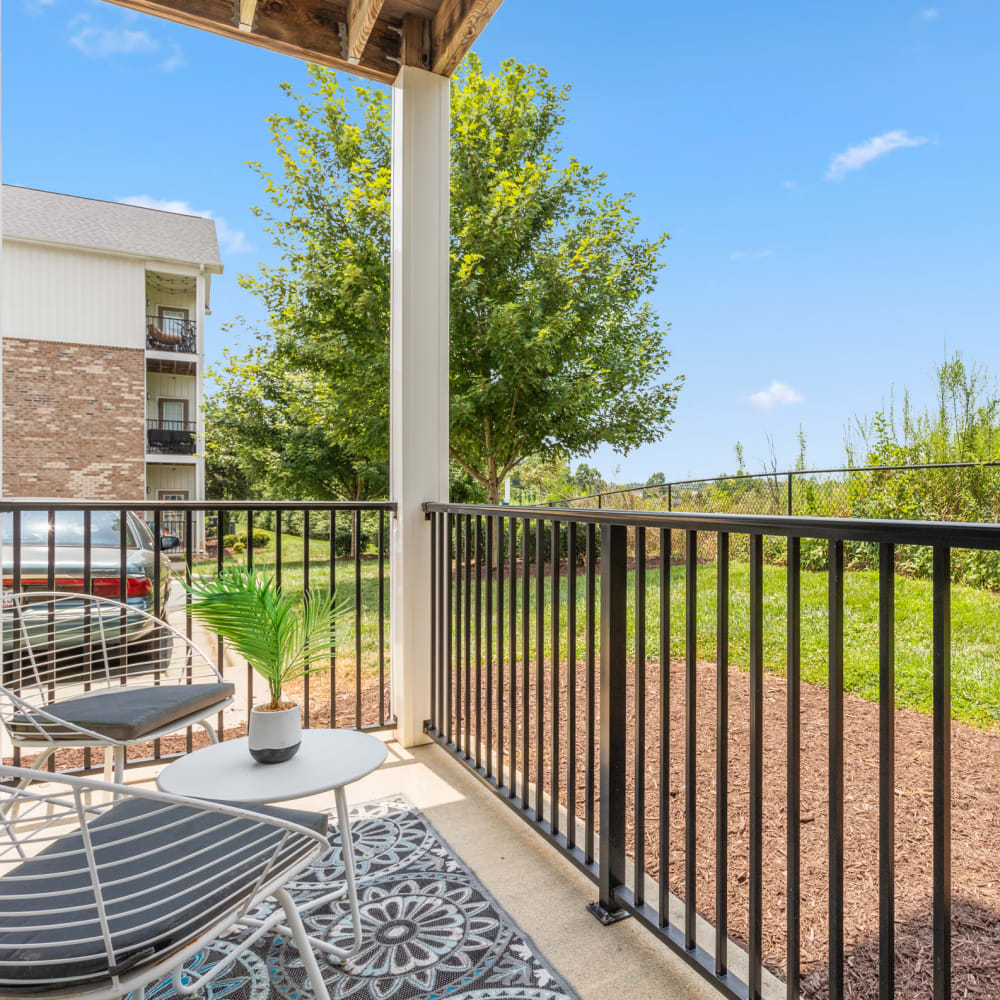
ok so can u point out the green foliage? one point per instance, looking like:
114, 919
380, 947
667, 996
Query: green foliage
283, 637
588, 480
542, 479
293, 524
260, 539
554, 346
962, 426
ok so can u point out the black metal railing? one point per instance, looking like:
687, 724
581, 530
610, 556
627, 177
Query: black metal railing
171, 333
553, 680
66, 545
171, 437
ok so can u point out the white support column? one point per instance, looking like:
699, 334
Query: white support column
199, 411
418, 407
1, 326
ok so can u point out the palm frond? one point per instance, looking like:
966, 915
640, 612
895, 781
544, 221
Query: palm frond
281, 635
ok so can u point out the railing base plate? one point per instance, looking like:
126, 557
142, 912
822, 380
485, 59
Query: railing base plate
606, 916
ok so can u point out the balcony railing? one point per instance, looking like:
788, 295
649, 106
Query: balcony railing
171, 437
342, 547
171, 333
566, 674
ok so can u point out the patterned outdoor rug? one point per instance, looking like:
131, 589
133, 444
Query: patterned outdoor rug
431, 929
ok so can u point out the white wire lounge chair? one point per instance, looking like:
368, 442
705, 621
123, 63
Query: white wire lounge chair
102, 900
82, 671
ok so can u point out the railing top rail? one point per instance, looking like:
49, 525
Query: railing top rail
950, 534
708, 480
9, 505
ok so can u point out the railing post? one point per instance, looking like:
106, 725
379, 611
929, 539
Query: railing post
614, 628
790, 475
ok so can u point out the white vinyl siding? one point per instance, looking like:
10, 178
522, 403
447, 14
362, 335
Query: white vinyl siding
160, 476
171, 300
161, 386
72, 296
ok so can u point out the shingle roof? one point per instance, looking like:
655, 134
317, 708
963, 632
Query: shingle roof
107, 225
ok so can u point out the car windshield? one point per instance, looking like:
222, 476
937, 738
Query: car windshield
105, 528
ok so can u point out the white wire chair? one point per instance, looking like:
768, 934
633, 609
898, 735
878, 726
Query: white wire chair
102, 900
84, 671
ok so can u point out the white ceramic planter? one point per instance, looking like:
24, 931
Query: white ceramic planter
274, 736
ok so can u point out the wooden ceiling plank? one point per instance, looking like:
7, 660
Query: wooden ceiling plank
454, 30
303, 29
361, 18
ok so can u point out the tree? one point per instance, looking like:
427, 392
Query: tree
273, 429
588, 479
555, 348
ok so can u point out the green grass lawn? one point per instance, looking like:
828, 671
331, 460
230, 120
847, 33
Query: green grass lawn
293, 577
975, 625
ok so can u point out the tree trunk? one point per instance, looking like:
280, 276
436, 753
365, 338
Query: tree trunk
493, 484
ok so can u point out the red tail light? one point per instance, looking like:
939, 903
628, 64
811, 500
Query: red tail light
103, 586
135, 586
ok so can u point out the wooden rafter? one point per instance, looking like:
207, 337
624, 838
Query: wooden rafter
245, 13
456, 26
361, 18
306, 29
363, 37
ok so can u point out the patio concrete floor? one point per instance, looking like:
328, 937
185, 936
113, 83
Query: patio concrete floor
544, 893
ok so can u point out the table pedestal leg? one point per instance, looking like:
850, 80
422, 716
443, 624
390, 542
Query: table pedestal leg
350, 874
350, 877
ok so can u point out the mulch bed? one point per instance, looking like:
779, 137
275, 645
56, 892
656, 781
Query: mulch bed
975, 824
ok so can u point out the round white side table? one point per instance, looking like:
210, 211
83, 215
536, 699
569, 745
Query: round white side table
329, 759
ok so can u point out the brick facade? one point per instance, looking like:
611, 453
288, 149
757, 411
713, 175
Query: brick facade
73, 420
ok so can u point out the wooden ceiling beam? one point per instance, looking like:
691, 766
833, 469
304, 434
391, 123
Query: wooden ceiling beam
361, 18
416, 47
455, 28
305, 29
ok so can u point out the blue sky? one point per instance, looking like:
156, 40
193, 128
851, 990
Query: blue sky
827, 173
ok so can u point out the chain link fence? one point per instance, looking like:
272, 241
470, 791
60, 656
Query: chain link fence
955, 491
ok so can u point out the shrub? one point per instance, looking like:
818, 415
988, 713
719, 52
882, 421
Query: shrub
260, 540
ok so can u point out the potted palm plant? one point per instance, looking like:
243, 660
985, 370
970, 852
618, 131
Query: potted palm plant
281, 635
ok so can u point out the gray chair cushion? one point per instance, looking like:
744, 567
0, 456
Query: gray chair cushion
33, 949
128, 713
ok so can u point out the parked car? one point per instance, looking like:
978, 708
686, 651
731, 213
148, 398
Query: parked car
68, 575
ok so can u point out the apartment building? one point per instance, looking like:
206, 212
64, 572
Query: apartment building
103, 348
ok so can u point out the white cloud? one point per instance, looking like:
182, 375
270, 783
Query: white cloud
99, 43
929, 14
776, 394
788, 185
750, 254
231, 240
173, 61
37, 6
856, 157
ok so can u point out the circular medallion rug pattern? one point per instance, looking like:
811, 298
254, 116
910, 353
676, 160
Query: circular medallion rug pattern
431, 929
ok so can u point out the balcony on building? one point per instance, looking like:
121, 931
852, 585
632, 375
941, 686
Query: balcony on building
170, 437
171, 325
